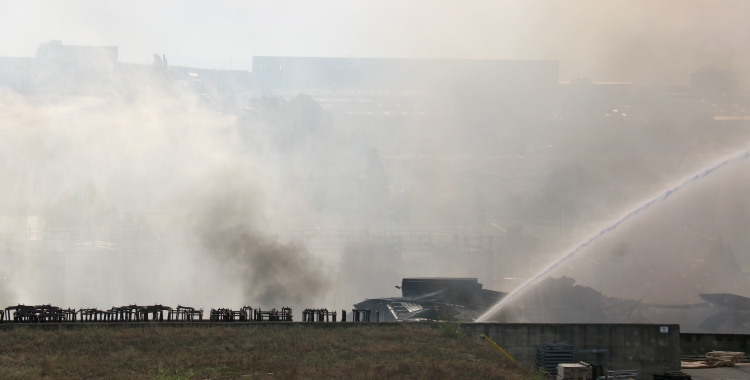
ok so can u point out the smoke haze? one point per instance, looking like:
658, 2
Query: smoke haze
69, 160
642, 41
134, 180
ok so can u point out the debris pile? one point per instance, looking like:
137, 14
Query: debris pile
38, 313
432, 299
273, 315
161, 313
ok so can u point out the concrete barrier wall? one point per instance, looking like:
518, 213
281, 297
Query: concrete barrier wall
700, 344
631, 346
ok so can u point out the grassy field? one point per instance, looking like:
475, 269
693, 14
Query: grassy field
154, 352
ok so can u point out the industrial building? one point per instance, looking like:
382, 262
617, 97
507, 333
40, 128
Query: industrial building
398, 74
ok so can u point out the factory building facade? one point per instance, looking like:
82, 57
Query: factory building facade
312, 72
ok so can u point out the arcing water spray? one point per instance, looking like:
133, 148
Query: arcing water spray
690, 180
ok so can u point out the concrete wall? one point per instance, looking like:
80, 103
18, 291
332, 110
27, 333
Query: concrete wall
631, 346
700, 344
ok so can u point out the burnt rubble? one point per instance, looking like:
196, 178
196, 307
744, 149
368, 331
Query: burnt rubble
433, 299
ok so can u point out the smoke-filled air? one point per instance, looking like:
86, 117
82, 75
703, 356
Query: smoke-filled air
536, 161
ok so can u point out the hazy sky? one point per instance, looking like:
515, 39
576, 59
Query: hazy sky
641, 41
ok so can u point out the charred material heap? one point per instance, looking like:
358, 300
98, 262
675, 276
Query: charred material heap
434, 298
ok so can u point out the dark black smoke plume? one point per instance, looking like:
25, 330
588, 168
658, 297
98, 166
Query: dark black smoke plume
271, 272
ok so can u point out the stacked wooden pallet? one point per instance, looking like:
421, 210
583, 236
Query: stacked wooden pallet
716, 359
724, 358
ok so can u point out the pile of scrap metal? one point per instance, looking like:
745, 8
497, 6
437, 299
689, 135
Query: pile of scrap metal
156, 313
129, 313
560, 300
324, 315
731, 313
38, 313
248, 314
433, 299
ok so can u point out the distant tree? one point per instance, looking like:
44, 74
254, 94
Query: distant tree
305, 113
47, 48
710, 80
158, 61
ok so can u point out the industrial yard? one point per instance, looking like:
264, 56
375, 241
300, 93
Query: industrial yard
400, 190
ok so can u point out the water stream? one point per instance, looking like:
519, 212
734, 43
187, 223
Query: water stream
690, 180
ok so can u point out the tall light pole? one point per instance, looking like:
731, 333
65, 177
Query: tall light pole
230, 62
